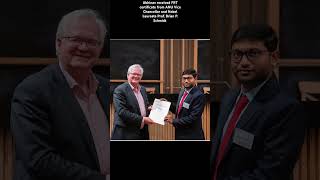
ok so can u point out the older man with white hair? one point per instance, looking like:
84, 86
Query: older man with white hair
131, 108
59, 116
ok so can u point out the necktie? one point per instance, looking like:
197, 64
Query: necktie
182, 100
242, 102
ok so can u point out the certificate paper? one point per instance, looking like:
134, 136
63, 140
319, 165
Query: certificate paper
159, 111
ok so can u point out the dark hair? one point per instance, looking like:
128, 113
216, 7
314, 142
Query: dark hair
190, 71
257, 32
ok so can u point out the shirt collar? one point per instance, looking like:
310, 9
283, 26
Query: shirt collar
93, 82
254, 91
188, 91
133, 88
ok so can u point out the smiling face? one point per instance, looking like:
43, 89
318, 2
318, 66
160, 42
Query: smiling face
134, 76
80, 45
251, 63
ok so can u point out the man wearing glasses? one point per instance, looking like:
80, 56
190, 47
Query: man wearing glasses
189, 109
59, 116
260, 129
131, 108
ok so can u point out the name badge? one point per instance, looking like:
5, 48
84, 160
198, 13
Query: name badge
243, 138
185, 105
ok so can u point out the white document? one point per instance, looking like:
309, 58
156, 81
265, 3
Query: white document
159, 111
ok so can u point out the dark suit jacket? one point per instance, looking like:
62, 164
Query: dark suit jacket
51, 133
276, 122
188, 124
127, 118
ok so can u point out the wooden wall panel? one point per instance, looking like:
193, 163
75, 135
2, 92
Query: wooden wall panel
308, 165
6, 155
177, 55
111, 117
206, 121
159, 132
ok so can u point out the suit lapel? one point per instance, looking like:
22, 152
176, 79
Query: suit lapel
226, 112
103, 99
189, 96
133, 97
223, 119
76, 112
253, 108
266, 92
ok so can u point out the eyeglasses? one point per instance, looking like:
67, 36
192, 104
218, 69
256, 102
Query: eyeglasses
91, 43
251, 54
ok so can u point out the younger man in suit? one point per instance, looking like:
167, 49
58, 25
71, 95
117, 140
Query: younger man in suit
260, 130
189, 109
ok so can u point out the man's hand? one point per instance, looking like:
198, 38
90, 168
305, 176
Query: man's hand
147, 120
168, 118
